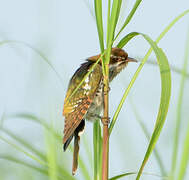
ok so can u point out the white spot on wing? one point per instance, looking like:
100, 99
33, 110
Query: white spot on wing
87, 80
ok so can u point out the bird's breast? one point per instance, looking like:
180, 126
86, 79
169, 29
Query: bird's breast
96, 105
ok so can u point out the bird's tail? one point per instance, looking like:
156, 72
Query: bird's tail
79, 130
75, 154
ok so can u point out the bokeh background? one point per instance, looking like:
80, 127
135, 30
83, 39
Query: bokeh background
65, 33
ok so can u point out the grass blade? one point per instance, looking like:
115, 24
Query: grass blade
147, 134
129, 17
173, 68
37, 120
122, 175
41, 122
165, 97
97, 148
185, 154
133, 173
51, 155
27, 145
115, 11
24, 152
185, 157
126, 39
124, 42
164, 103
99, 22
26, 164
36, 51
34, 167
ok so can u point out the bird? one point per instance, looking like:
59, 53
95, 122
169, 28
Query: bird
87, 102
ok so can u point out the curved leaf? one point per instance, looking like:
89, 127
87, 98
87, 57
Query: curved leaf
126, 39
165, 96
133, 173
36, 51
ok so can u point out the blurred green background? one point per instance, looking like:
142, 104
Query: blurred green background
65, 33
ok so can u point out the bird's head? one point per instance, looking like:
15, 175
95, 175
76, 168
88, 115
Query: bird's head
118, 61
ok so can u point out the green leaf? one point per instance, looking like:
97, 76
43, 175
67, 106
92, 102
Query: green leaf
34, 167
184, 157
165, 99
173, 68
124, 41
99, 22
24, 143
36, 51
133, 173
185, 153
23, 151
147, 134
48, 128
122, 175
112, 22
24, 163
115, 10
51, 154
128, 37
129, 17
116, 7
37, 120
97, 148
165, 96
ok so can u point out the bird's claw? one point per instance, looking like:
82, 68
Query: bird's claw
105, 120
106, 92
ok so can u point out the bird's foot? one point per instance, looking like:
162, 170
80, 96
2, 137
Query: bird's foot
105, 120
106, 92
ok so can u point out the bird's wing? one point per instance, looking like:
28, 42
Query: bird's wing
76, 107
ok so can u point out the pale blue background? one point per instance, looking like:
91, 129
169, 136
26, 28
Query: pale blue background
65, 32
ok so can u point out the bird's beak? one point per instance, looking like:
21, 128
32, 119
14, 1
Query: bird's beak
129, 59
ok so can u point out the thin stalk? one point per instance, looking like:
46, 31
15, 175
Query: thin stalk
184, 157
179, 108
108, 20
95, 141
105, 151
97, 150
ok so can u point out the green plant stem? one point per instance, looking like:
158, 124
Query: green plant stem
179, 108
97, 144
185, 156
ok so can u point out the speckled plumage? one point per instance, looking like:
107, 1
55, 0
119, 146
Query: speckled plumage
87, 102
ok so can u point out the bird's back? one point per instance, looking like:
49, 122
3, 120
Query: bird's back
76, 107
